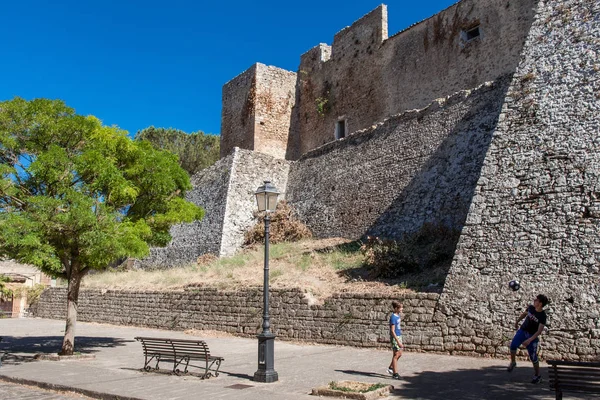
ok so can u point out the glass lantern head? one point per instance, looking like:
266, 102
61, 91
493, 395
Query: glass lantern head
266, 197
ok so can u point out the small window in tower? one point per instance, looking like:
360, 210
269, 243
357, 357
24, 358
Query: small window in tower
340, 129
472, 33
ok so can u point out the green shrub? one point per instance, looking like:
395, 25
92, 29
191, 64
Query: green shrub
4, 291
31, 293
34, 293
371, 387
430, 247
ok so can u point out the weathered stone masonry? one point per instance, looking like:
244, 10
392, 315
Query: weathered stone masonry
535, 214
257, 105
349, 319
345, 319
226, 192
415, 167
367, 77
509, 154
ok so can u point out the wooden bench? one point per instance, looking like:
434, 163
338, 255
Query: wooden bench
574, 376
181, 353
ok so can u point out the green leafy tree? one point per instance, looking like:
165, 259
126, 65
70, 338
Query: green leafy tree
196, 150
76, 195
4, 291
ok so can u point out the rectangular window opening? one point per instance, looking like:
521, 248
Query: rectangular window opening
472, 33
340, 129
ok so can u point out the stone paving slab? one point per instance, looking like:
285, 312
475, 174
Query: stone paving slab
116, 369
12, 391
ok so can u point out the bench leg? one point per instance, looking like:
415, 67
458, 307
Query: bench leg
177, 363
558, 394
206, 373
208, 368
147, 362
216, 363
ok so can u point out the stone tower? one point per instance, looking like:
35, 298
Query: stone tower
257, 107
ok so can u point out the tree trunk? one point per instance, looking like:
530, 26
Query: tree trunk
72, 301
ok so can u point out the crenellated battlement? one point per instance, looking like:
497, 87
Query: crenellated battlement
313, 59
363, 37
365, 76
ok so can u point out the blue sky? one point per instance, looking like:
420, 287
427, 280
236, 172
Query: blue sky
136, 63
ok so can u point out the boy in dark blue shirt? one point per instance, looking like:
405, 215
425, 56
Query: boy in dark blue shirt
527, 334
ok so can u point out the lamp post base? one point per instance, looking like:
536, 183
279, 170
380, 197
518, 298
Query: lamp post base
266, 373
266, 376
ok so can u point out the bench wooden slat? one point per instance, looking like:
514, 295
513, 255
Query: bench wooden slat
159, 348
592, 364
563, 382
156, 339
574, 369
574, 376
179, 352
580, 387
577, 372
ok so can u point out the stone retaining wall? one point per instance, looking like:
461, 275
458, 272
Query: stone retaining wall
348, 319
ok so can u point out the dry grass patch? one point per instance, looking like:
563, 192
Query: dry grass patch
316, 266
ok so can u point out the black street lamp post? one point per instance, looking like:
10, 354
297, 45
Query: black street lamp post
266, 198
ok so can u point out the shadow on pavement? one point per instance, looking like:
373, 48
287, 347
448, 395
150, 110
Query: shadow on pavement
362, 373
52, 344
469, 384
241, 376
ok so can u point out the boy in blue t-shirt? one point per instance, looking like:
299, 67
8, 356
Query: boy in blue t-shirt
527, 335
395, 339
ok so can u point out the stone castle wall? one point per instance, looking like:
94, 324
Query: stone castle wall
514, 164
237, 113
248, 172
364, 77
275, 98
535, 214
413, 168
226, 192
347, 319
191, 240
370, 77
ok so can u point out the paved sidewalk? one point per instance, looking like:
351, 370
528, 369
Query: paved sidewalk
15, 391
116, 370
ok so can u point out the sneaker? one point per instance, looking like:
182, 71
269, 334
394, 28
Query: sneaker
395, 376
390, 371
536, 379
511, 366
